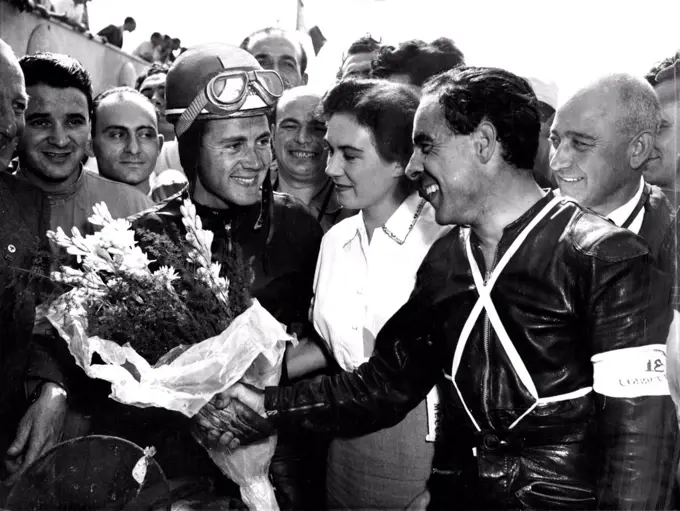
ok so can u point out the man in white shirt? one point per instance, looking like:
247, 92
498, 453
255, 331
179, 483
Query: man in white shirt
146, 50
602, 139
73, 10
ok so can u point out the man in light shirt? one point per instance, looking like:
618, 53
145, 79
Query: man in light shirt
146, 50
127, 143
602, 140
73, 10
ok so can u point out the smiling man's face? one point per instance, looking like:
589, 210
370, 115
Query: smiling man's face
57, 132
589, 152
298, 137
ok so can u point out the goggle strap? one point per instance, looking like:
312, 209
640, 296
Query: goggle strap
191, 113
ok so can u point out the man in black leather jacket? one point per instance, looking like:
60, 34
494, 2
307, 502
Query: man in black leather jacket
542, 323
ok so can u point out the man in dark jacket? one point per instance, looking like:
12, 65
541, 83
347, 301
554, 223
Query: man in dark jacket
617, 119
23, 256
543, 324
225, 151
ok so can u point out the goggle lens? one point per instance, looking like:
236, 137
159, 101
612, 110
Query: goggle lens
229, 89
271, 81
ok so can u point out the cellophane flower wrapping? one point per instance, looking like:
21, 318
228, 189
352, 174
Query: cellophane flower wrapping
187, 377
249, 466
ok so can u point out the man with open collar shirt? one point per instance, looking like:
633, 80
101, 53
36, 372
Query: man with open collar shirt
543, 324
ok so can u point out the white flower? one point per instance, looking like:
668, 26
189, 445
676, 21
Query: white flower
101, 215
165, 275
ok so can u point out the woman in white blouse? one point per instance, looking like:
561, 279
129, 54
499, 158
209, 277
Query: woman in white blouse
365, 272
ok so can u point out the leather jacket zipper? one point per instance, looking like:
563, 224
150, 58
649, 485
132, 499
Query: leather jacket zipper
487, 339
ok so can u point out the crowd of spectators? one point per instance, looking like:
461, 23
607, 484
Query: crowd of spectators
422, 223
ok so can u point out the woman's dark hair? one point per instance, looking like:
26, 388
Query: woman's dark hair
59, 71
386, 109
417, 60
470, 95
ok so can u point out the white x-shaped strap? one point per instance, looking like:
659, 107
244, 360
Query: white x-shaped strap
484, 302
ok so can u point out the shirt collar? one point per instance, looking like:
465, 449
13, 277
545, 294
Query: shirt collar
404, 219
621, 214
397, 227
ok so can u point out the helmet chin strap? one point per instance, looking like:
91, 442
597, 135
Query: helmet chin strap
266, 216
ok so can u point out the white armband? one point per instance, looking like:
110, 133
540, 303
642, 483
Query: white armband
631, 372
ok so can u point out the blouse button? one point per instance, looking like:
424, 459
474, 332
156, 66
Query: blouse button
11, 249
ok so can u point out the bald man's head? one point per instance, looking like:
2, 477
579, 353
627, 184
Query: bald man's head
125, 136
298, 136
13, 102
602, 138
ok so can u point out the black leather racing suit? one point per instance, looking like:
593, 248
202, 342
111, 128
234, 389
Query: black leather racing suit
527, 419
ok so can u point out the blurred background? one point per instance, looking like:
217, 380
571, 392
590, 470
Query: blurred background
567, 42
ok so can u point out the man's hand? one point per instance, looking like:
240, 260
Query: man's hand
235, 417
39, 429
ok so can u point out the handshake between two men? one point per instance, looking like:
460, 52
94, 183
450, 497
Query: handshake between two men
235, 417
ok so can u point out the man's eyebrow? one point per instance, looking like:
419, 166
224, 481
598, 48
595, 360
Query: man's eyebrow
238, 138
289, 119
38, 115
578, 134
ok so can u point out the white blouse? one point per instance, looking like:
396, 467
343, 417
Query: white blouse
359, 285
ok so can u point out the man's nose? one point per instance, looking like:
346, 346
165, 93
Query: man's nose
559, 159
414, 168
303, 136
252, 160
59, 137
158, 100
133, 146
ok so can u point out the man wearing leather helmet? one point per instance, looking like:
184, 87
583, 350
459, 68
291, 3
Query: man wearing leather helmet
218, 98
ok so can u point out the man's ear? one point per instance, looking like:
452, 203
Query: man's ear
640, 149
305, 78
161, 141
485, 141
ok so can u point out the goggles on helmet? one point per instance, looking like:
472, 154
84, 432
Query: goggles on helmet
230, 92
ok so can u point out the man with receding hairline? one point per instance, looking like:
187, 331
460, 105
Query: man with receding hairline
603, 139
281, 51
301, 155
127, 143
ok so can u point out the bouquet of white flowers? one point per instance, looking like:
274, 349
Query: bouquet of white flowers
169, 335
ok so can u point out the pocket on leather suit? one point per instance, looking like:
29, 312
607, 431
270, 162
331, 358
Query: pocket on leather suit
555, 495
